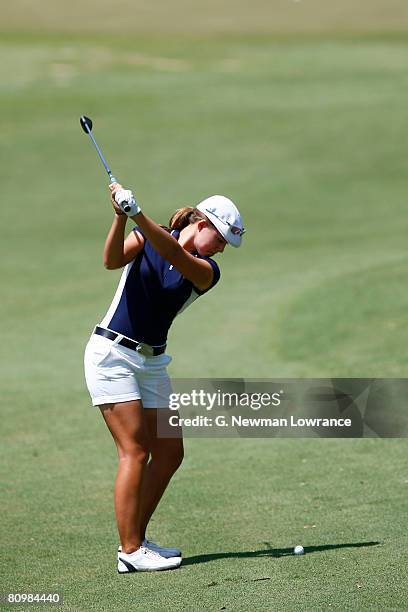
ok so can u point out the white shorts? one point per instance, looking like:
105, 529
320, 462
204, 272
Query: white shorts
115, 373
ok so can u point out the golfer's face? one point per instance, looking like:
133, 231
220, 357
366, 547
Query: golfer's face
209, 241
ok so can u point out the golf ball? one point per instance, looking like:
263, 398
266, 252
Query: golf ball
299, 550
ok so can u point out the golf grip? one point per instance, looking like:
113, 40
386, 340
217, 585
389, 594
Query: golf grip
126, 207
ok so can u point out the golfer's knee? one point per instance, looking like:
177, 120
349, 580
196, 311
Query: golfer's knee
133, 452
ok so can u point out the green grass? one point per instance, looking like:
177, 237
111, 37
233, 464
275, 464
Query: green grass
234, 510
307, 134
210, 17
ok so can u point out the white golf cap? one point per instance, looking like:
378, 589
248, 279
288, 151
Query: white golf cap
223, 213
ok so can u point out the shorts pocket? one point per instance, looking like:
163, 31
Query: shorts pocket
97, 351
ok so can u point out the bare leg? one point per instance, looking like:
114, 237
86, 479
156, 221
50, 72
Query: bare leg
127, 426
166, 456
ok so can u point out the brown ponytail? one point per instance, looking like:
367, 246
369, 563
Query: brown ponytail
185, 216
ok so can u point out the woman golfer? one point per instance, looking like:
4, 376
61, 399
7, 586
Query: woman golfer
126, 360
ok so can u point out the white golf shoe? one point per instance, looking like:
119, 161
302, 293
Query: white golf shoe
145, 560
167, 553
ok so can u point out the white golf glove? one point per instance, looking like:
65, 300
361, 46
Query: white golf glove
125, 199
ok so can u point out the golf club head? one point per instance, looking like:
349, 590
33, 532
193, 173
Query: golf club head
86, 124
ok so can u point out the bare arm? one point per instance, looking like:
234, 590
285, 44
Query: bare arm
117, 251
198, 271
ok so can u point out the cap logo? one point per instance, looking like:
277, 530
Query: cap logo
237, 231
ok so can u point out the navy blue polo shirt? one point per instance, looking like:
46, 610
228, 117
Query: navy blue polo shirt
151, 292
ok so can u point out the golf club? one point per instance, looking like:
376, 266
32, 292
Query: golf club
86, 124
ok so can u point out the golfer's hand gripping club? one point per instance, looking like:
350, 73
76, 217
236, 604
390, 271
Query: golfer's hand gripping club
124, 198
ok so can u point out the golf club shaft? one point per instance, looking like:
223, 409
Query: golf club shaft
103, 160
86, 125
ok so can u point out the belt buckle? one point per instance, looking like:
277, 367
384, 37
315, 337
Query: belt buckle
144, 349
